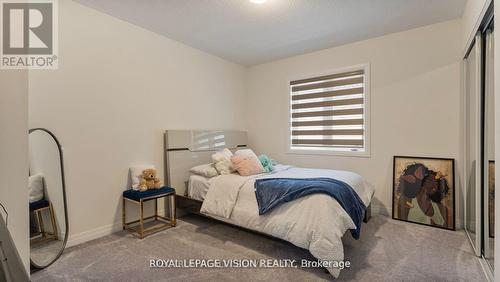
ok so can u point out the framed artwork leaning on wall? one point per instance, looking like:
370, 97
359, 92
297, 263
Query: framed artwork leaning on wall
424, 191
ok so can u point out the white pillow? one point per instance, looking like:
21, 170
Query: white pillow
222, 161
136, 172
36, 187
226, 153
245, 152
205, 170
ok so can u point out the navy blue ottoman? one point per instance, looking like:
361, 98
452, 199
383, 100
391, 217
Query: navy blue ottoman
138, 197
39, 205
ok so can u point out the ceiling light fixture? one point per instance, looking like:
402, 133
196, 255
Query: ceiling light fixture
258, 1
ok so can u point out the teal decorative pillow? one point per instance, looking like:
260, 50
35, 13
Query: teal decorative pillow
266, 162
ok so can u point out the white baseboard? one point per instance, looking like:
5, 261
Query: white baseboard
76, 239
486, 269
80, 238
381, 210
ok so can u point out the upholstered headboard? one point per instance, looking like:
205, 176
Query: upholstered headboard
185, 149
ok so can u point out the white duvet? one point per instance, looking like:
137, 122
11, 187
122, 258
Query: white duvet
316, 222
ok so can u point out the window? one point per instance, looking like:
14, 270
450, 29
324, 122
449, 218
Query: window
328, 113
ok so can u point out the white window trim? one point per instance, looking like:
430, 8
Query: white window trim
367, 152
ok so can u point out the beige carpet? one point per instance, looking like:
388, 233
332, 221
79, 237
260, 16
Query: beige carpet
388, 250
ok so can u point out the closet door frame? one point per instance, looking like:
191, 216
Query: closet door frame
476, 244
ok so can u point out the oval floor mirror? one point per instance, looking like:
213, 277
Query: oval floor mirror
47, 199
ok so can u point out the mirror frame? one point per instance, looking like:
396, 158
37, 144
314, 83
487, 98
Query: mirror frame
63, 180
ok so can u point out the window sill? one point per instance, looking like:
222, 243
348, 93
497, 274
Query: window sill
329, 153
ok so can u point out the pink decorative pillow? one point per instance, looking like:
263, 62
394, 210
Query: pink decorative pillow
247, 164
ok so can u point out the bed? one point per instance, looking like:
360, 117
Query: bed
316, 222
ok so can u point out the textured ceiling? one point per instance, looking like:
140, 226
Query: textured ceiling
249, 34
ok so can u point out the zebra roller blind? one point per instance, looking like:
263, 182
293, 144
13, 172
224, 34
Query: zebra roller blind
328, 112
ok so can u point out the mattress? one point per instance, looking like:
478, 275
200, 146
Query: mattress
316, 222
198, 187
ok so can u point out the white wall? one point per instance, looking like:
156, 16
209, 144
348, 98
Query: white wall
474, 10
14, 156
415, 101
118, 87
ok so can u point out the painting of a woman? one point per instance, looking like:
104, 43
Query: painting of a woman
423, 191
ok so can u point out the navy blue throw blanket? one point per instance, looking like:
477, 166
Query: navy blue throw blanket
272, 192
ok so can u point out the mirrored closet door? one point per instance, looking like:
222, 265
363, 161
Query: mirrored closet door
479, 143
489, 151
473, 144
